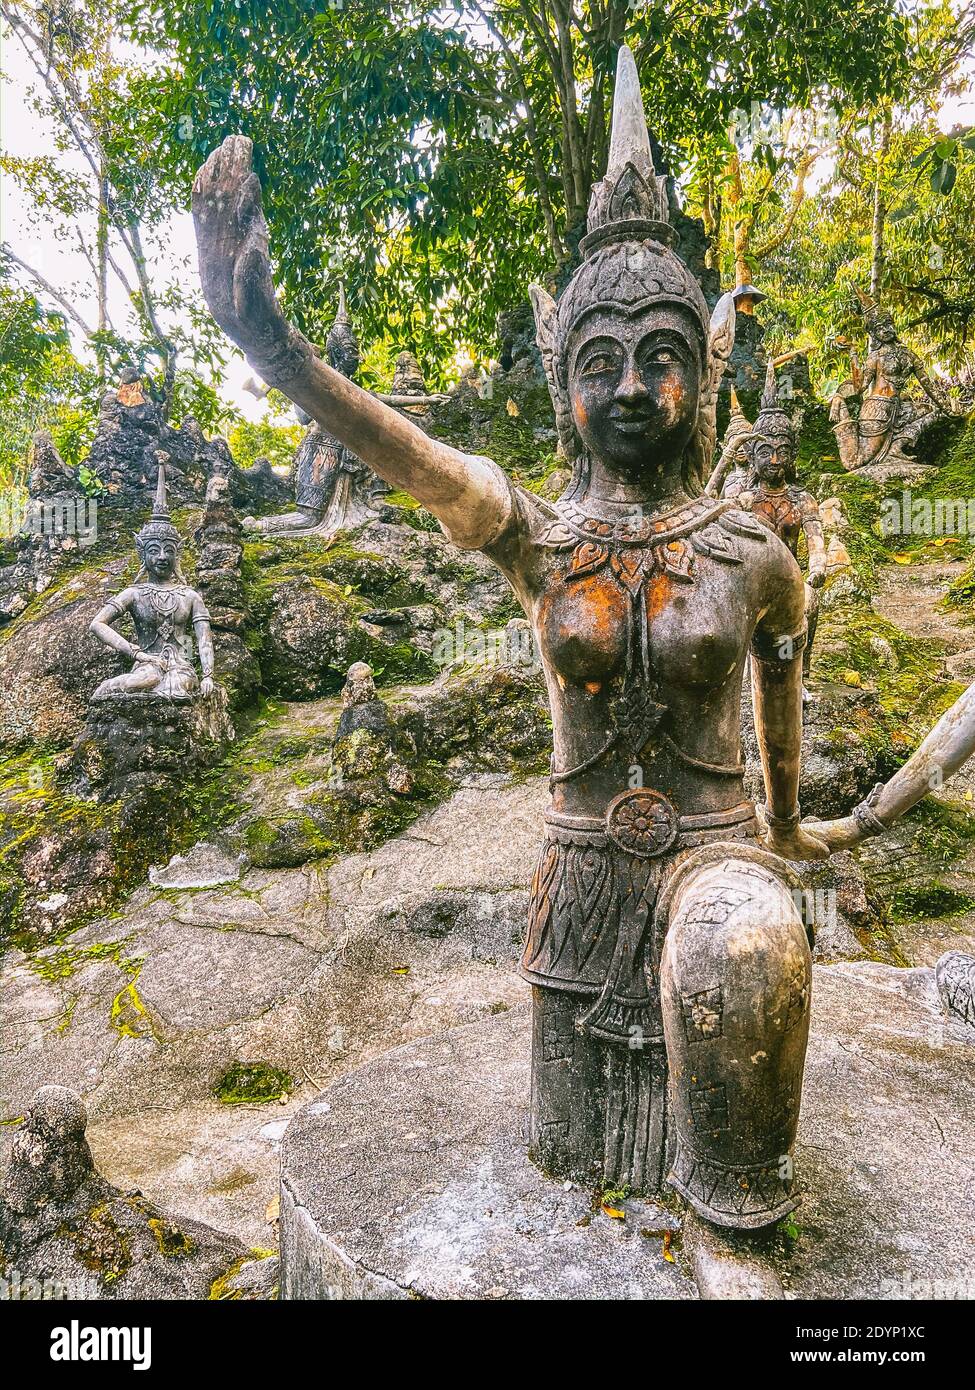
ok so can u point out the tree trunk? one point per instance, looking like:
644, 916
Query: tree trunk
877, 258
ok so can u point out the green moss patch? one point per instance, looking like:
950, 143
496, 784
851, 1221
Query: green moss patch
252, 1083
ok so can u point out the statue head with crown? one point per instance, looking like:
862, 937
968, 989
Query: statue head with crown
632, 356
163, 609
771, 450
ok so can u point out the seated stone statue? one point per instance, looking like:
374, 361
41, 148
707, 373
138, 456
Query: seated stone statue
333, 488
889, 426
163, 608
770, 490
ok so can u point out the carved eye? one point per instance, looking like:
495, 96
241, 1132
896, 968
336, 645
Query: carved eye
663, 357
598, 362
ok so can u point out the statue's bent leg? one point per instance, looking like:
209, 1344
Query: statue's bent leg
735, 980
143, 677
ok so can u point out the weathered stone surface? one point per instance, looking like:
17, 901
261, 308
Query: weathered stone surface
50, 663
126, 735
437, 1199
61, 1223
308, 971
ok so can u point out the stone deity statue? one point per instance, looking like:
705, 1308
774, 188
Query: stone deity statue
666, 949
732, 465
333, 488
889, 426
163, 608
771, 492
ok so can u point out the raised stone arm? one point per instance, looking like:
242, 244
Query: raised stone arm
732, 445
468, 494
930, 388
941, 753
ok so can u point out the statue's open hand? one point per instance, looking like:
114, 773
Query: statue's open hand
206, 686
231, 235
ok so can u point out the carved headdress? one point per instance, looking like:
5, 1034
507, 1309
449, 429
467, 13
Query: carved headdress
630, 263
341, 345
773, 418
159, 527
874, 315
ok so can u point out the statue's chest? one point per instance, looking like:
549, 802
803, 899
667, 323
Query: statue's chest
781, 514
160, 611
896, 367
668, 613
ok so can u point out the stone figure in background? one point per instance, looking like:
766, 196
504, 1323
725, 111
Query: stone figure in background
732, 466
163, 609
889, 426
665, 939
407, 377
334, 490
771, 492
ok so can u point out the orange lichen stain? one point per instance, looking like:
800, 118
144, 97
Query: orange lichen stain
658, 594
672, 394
581, 414
594, 687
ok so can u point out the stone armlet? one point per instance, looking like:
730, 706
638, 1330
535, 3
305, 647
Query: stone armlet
779, 649
786, 823
866, 817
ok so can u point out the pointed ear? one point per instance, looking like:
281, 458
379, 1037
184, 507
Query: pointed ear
543, 307
546, 321
721, 339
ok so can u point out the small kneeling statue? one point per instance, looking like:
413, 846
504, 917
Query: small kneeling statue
163, 607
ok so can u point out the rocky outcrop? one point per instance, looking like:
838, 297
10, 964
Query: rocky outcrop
64, 1229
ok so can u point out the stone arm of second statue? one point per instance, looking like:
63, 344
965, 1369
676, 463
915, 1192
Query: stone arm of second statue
468, 494
103, 626
777, 704
931, 389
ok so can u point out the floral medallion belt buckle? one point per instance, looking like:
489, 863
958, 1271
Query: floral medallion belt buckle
641, 822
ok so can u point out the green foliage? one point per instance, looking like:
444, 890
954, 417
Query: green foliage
268, 438
441, 159
42, 385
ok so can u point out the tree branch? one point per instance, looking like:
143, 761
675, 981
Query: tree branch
48, 288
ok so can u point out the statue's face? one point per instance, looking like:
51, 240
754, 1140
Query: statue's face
884, 332
771, 457
160, 558
634, 384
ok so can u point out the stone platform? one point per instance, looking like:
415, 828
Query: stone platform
408, 1178
130, 734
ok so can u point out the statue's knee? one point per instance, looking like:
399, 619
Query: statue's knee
736, 956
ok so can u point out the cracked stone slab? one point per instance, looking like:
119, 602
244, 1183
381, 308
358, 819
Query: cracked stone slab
199, 979
409, 1176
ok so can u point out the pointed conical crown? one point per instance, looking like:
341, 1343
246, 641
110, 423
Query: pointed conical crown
341, 345
159, 527
630, 203
873, 314
772, 417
